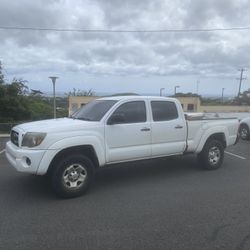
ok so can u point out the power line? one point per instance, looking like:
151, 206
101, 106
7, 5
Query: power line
122, 30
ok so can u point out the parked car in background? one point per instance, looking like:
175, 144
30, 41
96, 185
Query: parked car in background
245, 129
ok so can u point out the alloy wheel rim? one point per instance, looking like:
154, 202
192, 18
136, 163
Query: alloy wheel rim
74, 176
214, 155
243, 133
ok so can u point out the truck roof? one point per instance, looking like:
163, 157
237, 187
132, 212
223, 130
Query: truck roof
131, 97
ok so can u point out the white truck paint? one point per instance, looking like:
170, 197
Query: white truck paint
161, 133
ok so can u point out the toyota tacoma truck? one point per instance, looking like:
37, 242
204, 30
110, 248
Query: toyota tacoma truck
114, 130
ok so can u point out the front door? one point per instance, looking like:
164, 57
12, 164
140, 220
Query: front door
128, 133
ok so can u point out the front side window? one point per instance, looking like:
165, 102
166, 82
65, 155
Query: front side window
94, 111
131, 112
164, 110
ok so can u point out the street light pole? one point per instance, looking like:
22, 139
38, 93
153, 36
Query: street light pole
222, 95
161, 89
175, 87
53, 79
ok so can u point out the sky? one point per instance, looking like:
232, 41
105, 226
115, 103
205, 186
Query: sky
198, 62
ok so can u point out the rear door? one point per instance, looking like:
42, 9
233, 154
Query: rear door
168, 128
129, 139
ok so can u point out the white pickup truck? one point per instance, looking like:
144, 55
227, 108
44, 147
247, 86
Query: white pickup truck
114, 130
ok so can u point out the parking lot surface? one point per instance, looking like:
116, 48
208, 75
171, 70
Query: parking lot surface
159, 204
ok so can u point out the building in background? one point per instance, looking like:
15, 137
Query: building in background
190, 104
75, 102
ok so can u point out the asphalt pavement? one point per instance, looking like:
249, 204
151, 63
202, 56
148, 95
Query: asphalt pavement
159, 204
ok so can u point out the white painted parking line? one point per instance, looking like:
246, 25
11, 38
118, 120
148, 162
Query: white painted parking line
238, 156
2, 151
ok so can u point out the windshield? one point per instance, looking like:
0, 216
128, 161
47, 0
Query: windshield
94, 111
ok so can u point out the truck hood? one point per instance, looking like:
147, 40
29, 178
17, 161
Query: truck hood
55, 125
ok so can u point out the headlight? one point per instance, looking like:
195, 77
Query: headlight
33, 139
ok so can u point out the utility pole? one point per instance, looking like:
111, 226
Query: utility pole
241, 78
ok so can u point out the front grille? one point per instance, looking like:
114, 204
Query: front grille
14, 137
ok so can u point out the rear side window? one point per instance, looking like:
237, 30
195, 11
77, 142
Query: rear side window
132, 112
164, 110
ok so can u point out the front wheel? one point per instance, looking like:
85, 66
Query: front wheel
72, 175
212, 155
244, 132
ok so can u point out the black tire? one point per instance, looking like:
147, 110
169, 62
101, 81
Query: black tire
212, 155
244, 132
72, 175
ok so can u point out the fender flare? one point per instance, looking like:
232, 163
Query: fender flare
220, 131
68, 143
246, 124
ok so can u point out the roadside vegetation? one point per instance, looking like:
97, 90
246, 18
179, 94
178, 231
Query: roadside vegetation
18, 103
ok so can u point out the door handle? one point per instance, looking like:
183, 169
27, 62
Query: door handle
178, 126
145, 129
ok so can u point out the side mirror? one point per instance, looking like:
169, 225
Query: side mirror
116, 119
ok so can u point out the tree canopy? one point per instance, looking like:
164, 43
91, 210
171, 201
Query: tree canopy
244, 98
13, 103
18, 104
1, 74
79, 92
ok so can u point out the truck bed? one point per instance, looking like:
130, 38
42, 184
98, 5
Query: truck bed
198, 125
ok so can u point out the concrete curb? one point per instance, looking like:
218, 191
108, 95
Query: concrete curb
4, 135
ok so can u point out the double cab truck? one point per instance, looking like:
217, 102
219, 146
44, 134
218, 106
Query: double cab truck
113, 130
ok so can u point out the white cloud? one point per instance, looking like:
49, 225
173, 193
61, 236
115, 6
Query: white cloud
183, 55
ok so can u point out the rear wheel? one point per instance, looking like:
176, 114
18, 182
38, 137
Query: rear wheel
212, 155
72, 175
244, 132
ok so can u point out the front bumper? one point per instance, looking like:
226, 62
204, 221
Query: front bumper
24, 160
